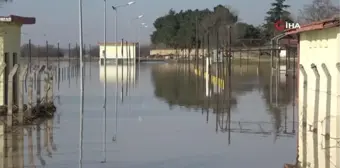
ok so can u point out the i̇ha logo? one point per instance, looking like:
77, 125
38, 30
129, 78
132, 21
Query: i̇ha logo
281, 25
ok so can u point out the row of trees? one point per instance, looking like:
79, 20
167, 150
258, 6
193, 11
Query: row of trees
32, 50
186, 29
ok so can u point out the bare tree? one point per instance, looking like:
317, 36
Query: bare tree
216, 24
318, 10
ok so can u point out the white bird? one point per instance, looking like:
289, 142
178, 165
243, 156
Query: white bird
140, 119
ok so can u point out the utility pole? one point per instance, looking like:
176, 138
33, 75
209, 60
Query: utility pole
229, 82
81, 84
105, 82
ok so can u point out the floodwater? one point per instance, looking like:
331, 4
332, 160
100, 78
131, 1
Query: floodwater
164, 120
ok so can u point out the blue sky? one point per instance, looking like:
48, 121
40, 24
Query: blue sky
57, 21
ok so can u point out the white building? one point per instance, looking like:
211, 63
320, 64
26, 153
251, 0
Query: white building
125, 52
319, 94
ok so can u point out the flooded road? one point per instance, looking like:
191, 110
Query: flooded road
165, 120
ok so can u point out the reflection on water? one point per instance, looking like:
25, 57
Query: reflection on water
122, 73
179, 86
167, 121
27, 145
249, 95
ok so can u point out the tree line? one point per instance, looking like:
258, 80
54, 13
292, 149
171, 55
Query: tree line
222, 26
33, 50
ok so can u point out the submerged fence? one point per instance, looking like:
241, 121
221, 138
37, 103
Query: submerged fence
19, 80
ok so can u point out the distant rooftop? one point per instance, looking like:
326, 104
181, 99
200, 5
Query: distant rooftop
17, 19
323, 24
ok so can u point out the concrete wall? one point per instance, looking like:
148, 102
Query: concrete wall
319, 108
112, 49
10, 37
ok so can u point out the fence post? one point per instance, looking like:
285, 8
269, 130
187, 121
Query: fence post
328, 98
304, 98
46, 84
30, 92
10, 95
35, 77
2, 70
23, 73
49, 86
50, 94
317, 97
47, 56
30, 54
41, 69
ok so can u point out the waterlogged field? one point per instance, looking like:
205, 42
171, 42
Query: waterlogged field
166, 116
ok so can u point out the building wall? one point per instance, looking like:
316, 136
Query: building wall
337, 77
112, 49
319, 108
10, 37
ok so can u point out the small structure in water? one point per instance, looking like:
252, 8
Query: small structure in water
125, 52
13, 77
319, 90
10, 35
217, 56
